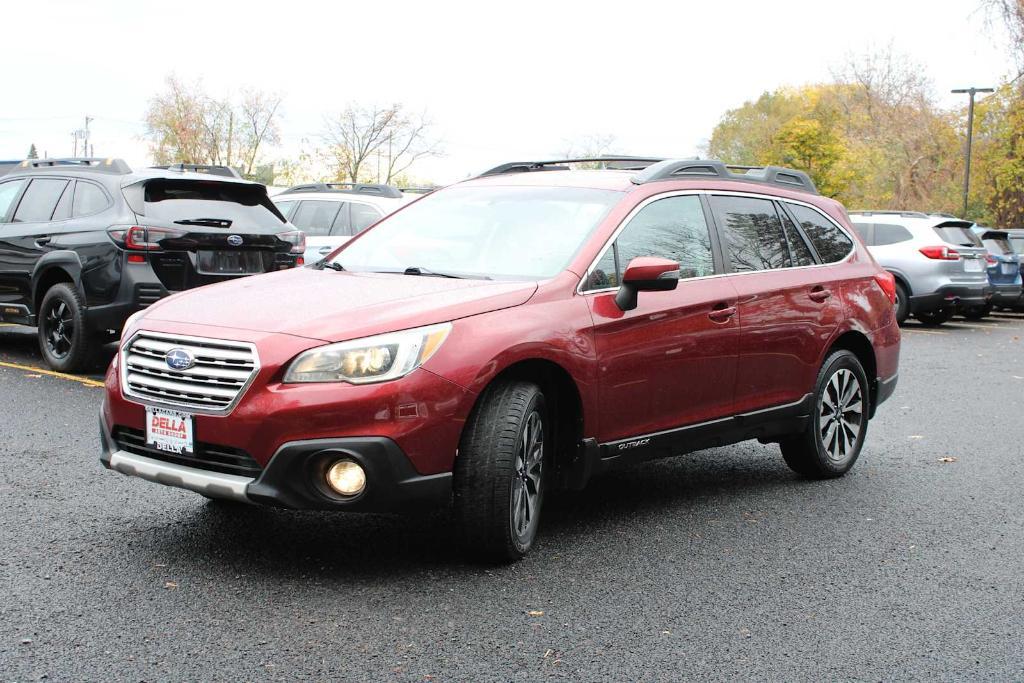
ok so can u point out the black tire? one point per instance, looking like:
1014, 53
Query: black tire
934, 318
825, 449
978, 312
490, 479
902, 304
63, 341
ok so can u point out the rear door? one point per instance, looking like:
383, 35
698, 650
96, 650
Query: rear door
671, 361
25, 239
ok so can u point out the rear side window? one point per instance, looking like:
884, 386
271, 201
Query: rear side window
39, 201
363, 216
315, 217
246, 206
829, 241
862, 230
890, 234
752, 233
89, 199
342, 225
961, 236
672, 228
798, 248
8, 192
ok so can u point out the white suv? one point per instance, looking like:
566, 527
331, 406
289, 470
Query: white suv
331, 213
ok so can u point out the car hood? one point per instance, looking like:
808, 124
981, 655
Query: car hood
328, 305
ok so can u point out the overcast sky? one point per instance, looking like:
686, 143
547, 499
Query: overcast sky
502, 80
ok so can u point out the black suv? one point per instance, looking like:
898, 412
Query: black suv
84, 243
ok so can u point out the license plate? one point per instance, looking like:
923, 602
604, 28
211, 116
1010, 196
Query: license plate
169, 431
972, 265
211, 262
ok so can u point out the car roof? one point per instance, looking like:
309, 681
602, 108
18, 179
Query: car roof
603, 179
341, 197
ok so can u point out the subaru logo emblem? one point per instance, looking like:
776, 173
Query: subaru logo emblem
235, 240
179, 359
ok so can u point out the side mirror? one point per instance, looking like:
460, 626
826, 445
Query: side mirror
646, 274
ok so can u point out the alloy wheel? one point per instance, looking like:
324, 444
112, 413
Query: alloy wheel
527, 477
841, 414
59, 328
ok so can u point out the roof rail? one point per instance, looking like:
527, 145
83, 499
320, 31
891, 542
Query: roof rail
674, 169
211, 169
102, 165
627, 163
376, 189
419, 190
888, 212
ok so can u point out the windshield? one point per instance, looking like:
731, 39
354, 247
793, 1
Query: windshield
485, 232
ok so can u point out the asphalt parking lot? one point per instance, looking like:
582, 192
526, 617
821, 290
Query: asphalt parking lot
717, 565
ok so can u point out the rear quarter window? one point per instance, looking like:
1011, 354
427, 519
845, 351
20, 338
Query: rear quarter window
831, 243
890, 234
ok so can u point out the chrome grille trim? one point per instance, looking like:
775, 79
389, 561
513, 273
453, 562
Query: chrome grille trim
222, 372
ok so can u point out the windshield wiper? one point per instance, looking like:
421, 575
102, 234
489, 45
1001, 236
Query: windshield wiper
330, 264
426, 272
206, 222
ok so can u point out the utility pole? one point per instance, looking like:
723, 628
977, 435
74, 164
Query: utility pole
85, 144
972, 91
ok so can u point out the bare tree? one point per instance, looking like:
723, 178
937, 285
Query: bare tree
1011, 15
259, 112
359, 133
587, 146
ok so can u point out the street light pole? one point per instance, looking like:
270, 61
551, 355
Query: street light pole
971, 92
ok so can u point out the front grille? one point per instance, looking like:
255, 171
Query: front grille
221, 372
223, 459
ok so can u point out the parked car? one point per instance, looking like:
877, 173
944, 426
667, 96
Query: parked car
1016, 240
331, 213
84, 243
938, 262
516, 333
1004, 271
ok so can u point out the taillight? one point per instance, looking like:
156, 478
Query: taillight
296, 238
940, 253
139, 238
887, 282
992, 260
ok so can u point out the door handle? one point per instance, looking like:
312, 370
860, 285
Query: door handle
819, 294
43, 241
326, 250
720, 315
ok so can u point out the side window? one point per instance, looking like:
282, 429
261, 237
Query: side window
752, 233
315, 217
672, 228
798, 248
829, 241
863, 231
890, 234
63, 210
342, 225
8, 193
39, 201
89, 199
363, 216
285, 207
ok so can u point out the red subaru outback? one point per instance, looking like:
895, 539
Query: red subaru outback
514, 334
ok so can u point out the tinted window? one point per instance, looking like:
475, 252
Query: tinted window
890, 234
89, 199
63, 210
829, 241
672, 228
39, 200
315, 217
244, 204
798, 248
752, 233
8, 192
958, 235
285, 207
862, 231
363, 216
342, 225
997, 245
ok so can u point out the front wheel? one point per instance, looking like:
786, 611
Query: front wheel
62, 337
836, 429
501, 471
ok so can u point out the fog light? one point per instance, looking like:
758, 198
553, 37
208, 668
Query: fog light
347, 478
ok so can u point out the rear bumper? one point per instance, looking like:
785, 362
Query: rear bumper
884, 388
1005, 294
294, 477
951, 296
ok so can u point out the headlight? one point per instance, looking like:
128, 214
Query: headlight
372, 359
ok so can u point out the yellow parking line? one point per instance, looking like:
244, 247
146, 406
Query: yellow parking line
911, 331
9, 325
60, 375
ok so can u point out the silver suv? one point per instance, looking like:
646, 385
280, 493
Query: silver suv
938, 262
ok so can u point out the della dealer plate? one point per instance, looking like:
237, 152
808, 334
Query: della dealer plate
169, 431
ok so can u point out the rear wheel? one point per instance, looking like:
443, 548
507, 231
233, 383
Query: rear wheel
62, 338
836, 429
978, 312
932, 318
501, 471
902, 304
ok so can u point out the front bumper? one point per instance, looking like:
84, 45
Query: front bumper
294, 478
